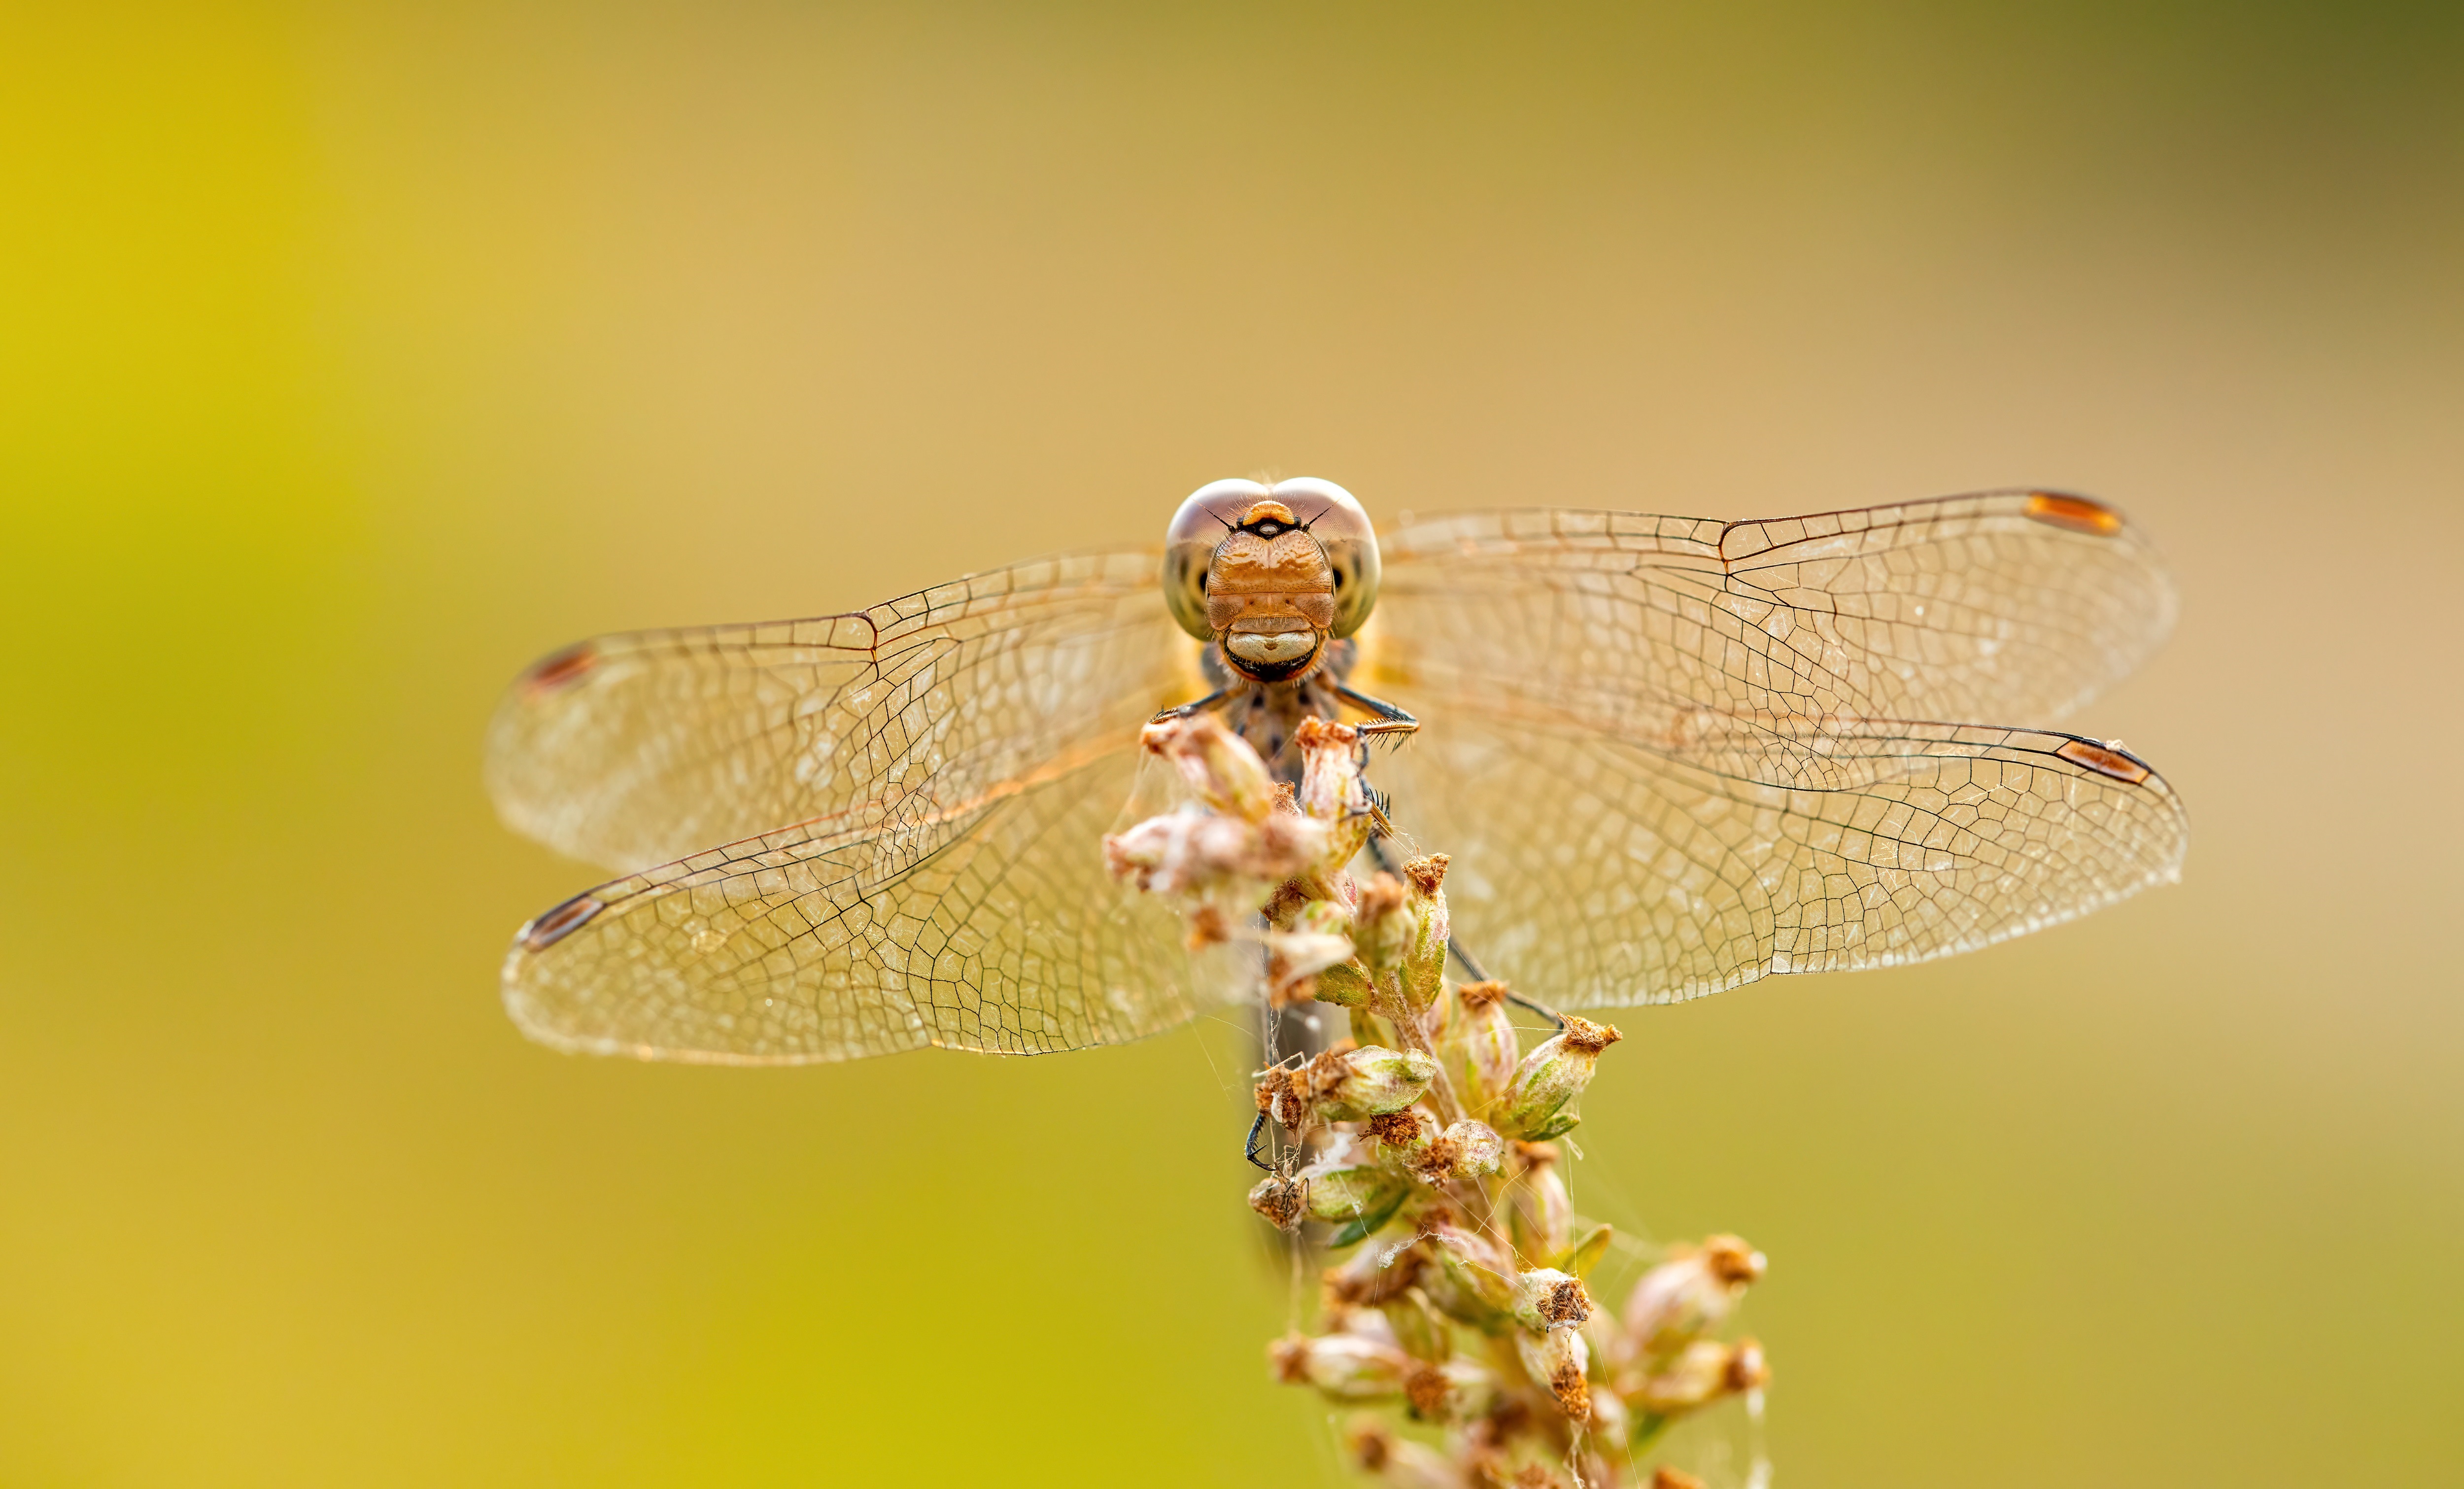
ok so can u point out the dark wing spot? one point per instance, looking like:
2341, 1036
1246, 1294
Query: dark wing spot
2105, 761
2078, 514
562, 671
559, 922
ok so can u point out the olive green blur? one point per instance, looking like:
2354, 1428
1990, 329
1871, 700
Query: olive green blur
351, 357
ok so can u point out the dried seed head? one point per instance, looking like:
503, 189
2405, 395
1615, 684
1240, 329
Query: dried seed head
1383, 1268
1666, 1477
1295, 958
1194, 852
1558, 1360
1699, 1374
1219, 764
1546, 1299
1732, 1261
1398, 1461
1456, 1391
1688, 1296
1281, 1200
1381, 927
1425, 874
1536, 1103
1342, 1367
1748, 1369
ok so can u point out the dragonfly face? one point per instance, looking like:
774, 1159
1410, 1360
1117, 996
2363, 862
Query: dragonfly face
1269, 574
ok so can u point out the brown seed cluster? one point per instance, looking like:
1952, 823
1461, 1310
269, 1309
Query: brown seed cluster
1414, 1161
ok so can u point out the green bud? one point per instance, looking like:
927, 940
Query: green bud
1344, 985
1331, 790
1483, 1045
1424, 947
1343, 1186
1342, 1367
1535, 1106
1539, 1214
1355, 1085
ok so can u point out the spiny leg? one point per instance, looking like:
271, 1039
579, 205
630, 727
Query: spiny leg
1389, 720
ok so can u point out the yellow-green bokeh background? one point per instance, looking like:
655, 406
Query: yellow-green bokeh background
351, 356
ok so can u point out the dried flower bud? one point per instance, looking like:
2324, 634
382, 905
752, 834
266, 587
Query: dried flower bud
1219, 764
1557, 1360
1378, 1271
1689, 1294
1331, 790
1396, 1460
1473, 1279
1452, 1391
1344, 1185
1381, 925
1666, 1477
1407, 1134
1701, 1373
1535, 1103
1342, 1367
1472, 1150
1368, 1081
1539, 1214
1281, 1200
1294, 959
1481, 1044
1424, 946
1420, 1331
1546, 1299
1193, 852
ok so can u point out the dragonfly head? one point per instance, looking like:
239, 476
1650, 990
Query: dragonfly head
1269, 573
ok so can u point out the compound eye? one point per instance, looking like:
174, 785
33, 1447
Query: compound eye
1341, 524
1211, 511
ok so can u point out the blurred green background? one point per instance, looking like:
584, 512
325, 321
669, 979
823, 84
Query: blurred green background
352, 356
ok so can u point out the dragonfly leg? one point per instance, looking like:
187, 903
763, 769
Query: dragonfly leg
1249, 1149
1389, 720
1193, 707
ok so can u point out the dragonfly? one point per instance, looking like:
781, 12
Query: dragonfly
1667, 755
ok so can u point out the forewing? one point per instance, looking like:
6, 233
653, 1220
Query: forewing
1594, 870
987, 925
638, 750
2000, 605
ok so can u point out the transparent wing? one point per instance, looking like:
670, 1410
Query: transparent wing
987, 924
1604, 870
637, 749
1663, 749
2001, 605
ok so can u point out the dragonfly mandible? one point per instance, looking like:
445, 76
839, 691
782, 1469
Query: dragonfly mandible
1668, 756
